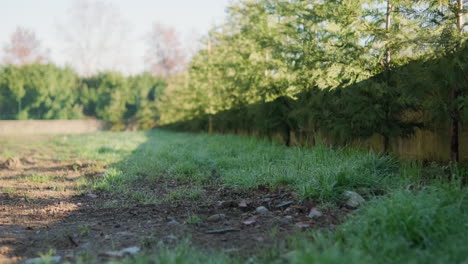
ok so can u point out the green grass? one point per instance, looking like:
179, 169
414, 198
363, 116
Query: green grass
239, 162
37, 178
194, 219
422, 216
143, 158
182, 253
427, 226
185, 193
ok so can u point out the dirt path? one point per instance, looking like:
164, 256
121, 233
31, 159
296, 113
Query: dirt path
42, 207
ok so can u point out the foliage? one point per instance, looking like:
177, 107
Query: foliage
314, 66
37, 91
46, 91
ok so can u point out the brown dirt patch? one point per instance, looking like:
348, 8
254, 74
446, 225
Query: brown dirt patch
43, 207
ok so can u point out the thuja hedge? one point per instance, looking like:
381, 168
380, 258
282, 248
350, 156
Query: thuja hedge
391, 104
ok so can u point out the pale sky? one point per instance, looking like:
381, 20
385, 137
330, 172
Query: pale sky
189, 17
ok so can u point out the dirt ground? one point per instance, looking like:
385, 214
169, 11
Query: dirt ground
43, 207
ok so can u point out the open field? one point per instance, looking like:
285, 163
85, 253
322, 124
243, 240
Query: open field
197, 198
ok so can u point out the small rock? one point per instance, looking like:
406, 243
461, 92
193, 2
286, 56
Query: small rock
259, 239
249, 221
173, 222
243, 204
12, 163
52, 259
314, 213
288, 218
303, 225
354, 199
284, 204
121, 253
92, 195
216, 218
262, 210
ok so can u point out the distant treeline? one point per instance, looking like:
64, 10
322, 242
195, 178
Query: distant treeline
46, 91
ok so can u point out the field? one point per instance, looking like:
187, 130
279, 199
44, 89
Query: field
165, 197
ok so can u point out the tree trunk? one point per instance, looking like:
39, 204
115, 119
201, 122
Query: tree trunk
210, 91
19, 106
455, 126
387, 62
460, 21
388, 25
210, 124
386, 145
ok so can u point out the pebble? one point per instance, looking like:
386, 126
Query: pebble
122, 253
262, 210
314, 213
216, 218
354, 199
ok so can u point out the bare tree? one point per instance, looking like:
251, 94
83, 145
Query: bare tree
24, 48
96, 37
164, 55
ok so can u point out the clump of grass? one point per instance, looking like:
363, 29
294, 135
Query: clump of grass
239, 162
182, 253
246, 162
38, 178
426, 227
9, 190
84, 230
194, 220
185, 193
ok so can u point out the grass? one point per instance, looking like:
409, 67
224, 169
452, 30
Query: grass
194, 220
420, 216
182, 253
38, 178
141, 159
238, 162
185, 193
427, 226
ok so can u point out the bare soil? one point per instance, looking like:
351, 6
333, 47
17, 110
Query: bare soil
42, 207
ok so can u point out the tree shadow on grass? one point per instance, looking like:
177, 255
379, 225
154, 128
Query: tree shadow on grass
84, 226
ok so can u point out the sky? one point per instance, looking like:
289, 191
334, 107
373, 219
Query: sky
191, 18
